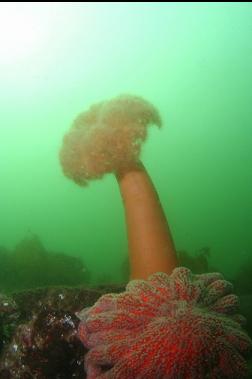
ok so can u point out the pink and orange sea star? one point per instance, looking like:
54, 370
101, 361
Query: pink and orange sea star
168, 326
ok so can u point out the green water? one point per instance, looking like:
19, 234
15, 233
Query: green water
192, 61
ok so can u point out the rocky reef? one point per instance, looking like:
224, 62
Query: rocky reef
30, 265
40, 327
38, 330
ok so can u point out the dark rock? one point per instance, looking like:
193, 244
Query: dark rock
43, 342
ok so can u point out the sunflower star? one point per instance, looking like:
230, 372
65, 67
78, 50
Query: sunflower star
168, 326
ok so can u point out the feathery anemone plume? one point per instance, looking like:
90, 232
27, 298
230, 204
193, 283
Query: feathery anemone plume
177, 326
106, 138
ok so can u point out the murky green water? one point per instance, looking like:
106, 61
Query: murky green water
193, 61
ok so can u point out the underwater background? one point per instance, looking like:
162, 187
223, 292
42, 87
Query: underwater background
193, 61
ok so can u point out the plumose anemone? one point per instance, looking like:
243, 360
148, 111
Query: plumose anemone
106, 138
168, 323
169, 326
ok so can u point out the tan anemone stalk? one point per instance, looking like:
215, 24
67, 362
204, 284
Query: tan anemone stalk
107, 138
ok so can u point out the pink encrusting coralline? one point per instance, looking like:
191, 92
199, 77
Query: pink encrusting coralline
167, 327
106, 138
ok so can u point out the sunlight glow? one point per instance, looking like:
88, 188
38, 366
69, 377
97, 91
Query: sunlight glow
22, 31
